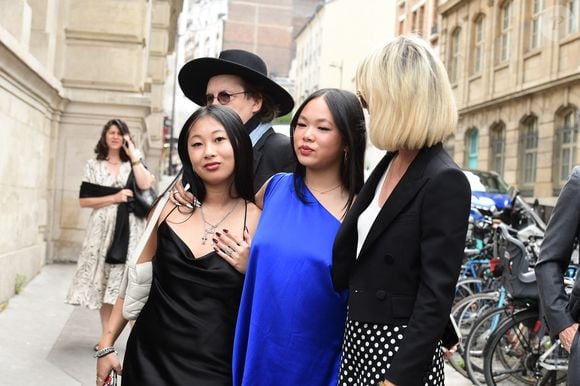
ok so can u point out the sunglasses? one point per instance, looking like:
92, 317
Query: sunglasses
362, 100
223, 97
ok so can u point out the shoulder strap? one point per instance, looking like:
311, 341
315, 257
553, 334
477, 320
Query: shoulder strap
152, 223
171, 211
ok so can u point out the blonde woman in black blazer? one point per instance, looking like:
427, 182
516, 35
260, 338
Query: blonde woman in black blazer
400, 248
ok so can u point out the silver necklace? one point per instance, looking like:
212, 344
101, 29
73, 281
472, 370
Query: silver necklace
209, 229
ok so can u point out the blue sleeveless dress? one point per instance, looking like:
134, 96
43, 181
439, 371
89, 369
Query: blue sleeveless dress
291, 320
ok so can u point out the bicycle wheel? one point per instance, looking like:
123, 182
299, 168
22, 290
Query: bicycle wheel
465, 313
474, 345
512, 353
467, 287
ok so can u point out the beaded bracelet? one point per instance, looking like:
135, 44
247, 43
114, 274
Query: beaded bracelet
105, 351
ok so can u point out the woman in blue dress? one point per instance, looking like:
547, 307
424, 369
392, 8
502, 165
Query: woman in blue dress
291, 320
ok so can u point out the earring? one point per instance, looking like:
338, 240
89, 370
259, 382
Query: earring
345, 158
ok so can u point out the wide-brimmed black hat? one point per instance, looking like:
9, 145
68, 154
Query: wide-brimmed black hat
194, 76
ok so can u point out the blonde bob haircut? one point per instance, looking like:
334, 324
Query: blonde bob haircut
408, 94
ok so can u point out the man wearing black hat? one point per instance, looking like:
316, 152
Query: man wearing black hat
239, 79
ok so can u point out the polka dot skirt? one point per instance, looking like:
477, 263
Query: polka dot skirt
368, 350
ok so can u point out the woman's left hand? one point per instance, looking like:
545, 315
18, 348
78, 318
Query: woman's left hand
129, 147
235, 252
448, 353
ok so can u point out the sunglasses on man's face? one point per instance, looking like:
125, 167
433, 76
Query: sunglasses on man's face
223, 97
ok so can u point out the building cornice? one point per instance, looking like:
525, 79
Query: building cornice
565, 81
23, 71
449, 6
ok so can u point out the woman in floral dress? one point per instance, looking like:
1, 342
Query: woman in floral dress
95, 284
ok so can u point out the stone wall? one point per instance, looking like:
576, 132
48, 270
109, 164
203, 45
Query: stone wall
67, 67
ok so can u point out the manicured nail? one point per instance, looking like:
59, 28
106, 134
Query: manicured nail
225, 230
214, 240
187, 186
189, 206
218, 234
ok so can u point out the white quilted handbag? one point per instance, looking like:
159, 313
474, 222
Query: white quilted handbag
137, 279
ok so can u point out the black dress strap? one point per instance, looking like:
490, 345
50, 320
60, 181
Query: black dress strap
171, 211
245, 216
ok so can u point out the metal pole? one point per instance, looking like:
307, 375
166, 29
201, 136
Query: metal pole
171, 166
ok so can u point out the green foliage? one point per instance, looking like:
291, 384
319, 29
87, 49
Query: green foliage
283, 119
19, 283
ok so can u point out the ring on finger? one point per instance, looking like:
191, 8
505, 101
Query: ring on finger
229, 251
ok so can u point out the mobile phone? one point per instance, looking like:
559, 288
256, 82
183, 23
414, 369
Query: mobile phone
125, 142
456, 328
451, 335
111, 380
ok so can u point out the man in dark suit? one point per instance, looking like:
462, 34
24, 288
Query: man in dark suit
239, 79
562, 311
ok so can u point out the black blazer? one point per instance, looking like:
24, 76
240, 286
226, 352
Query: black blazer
272, 154
409, 263
555, 256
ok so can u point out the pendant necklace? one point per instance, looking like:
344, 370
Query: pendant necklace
209, 229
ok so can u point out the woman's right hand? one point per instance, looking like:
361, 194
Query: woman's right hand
180, 196
105, 365
123, 195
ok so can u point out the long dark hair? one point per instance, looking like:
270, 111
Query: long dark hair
241, 144
102, 150
269, 109
349, 118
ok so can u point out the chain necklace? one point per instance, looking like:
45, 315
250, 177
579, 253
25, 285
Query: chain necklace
209, 229
324, 191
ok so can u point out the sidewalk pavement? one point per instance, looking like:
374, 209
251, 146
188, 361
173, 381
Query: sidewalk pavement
44, 341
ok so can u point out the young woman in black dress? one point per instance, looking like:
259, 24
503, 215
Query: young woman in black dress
184, 333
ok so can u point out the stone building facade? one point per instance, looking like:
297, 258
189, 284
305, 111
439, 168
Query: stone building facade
331, 45
264, 27
515, 70
67, 67
420, 17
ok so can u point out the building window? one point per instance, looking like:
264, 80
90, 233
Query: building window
478, 35
505, 31
454, 57
421, 20
567, 137
417, 19
528, 152
497, 148
472, 146
435, 13
536, 23
401, 26
573, 16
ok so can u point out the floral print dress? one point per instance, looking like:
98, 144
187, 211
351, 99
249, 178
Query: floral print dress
96, 282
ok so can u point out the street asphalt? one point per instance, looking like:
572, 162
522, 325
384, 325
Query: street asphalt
44, 341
